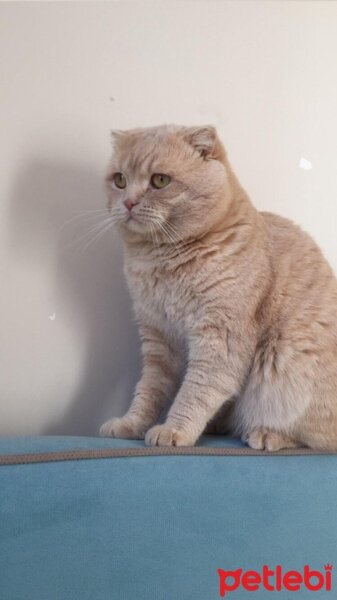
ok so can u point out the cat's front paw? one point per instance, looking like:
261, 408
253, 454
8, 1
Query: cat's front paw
163, 435
123, 428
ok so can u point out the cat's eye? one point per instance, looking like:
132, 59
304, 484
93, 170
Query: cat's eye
119, 180
160, 180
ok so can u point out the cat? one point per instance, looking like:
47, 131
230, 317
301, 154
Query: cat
237, 309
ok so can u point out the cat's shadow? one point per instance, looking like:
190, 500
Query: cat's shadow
45, 196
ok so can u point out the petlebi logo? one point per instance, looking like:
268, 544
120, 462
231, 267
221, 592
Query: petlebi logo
275, 579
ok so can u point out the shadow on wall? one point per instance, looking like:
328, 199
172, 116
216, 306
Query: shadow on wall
88, 281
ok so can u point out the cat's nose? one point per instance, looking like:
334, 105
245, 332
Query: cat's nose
130, 204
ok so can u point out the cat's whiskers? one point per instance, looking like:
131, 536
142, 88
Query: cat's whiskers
174, 232
92, 229
99, 235
158, 219
156, 235
94, 232
84, 216
153, 235
163, 227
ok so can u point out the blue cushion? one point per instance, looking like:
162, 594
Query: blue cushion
158, 527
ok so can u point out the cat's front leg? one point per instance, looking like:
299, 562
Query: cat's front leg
161, 367
213, 376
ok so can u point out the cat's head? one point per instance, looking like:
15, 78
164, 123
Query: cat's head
168, 181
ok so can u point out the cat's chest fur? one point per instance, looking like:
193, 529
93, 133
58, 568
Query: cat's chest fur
162, 297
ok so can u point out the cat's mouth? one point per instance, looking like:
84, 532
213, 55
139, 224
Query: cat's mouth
133, 222
131, 217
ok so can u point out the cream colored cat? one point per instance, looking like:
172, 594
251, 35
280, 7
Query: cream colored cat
237, 309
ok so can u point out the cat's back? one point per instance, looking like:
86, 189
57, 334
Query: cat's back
303, 281
286, 237
291, 247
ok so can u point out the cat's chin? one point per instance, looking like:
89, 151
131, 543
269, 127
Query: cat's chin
132, 225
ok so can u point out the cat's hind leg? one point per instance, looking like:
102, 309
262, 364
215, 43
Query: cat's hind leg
266, 439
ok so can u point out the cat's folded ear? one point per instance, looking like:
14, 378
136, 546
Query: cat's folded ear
116, 135
204, 139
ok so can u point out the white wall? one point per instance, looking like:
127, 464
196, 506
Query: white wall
263, 72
